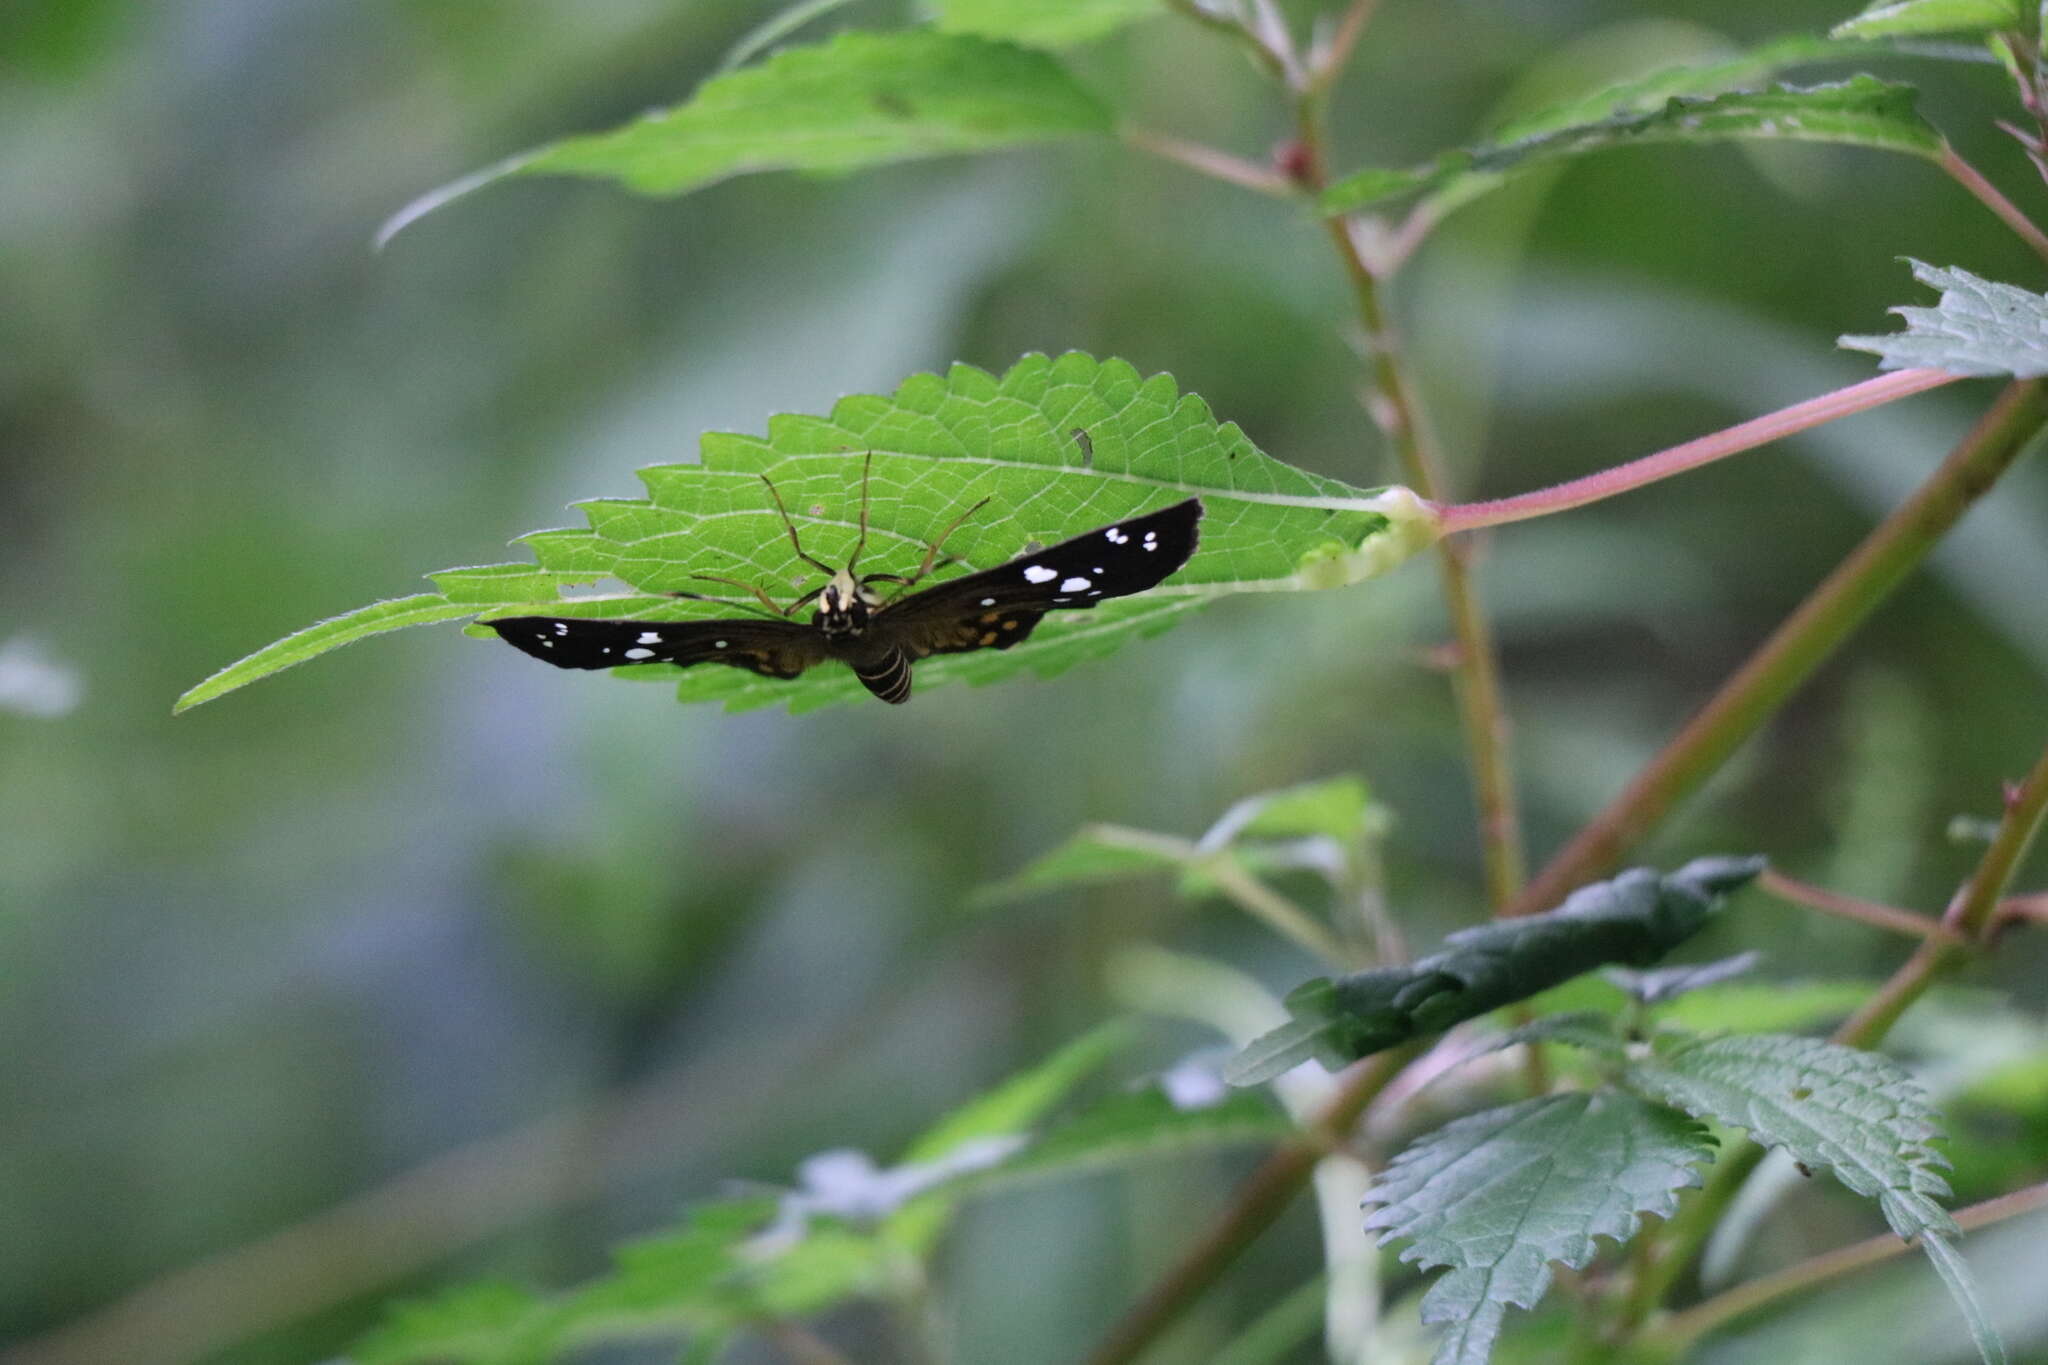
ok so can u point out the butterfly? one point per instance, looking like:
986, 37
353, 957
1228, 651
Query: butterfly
881, 637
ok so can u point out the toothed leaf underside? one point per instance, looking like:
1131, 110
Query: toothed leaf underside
937, 446
1855, 1113
1978, 327
1498, 1196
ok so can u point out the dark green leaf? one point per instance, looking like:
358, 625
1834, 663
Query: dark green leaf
862, 99
1635, 918
1979, 327
1498, 1196
1862, 111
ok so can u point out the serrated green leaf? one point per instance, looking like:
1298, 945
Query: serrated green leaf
1894, 18
1498, 1196
1010, 1108
1135, 1125
483, 1323
936, 446
1855, 1113
861, 99
1979, 327
1862, 111
1339, 808
1092, 856
1636, 918
1044, 23
1023, 1099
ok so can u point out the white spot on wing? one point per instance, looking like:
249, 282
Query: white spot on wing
561, 627
650, 637
1038, 573
1076, 584
718, 644
988, 601
639, 653
1115, 536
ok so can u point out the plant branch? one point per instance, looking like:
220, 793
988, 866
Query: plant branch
1807, 637
1247, 892
1476, 666
1211, 162
1327, 63
1678, 459
2032, 909
1889, 917
1262, 55
1263, 1196
1680, 1331
1969, 916
1276, 911
1989, 195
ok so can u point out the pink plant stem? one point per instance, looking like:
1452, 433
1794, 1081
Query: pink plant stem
1469, 516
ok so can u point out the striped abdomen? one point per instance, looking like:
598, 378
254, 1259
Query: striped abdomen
886, 675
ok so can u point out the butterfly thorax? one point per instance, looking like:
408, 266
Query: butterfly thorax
844, 607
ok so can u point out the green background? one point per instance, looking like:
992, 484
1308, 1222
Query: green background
353, 936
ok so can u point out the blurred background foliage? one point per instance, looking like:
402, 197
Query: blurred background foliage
388, 935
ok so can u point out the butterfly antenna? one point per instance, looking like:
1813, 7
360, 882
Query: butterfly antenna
790, 526
867, 468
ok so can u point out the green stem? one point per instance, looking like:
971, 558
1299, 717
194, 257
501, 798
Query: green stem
1476, 665
1797, 647
1261, 1199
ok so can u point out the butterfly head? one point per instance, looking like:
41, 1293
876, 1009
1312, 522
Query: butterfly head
844, 606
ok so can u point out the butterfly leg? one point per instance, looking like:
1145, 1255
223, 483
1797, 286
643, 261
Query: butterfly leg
761, 596
790, 526
931, 555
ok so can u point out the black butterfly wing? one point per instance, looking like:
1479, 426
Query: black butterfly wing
998, 607
774, 649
